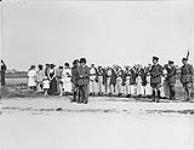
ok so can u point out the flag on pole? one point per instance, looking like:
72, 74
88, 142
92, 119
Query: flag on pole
187, 55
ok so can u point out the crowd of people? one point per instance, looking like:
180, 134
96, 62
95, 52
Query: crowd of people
139, 81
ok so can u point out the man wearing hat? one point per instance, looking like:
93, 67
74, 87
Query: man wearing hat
155, 80
171, 78
83, 80
186, 77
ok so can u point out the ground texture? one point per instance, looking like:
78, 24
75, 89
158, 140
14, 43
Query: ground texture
104, 123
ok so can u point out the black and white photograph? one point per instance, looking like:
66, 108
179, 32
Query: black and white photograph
97, 75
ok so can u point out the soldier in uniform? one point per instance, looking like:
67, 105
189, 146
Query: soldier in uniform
75, 75
155, 80
171, 78
186, 77
3, 70
83, 80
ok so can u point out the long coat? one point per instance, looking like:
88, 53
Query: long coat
171, 75
186, 73
156, 72
84, 74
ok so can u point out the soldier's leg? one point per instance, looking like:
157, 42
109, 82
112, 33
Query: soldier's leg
85, 94
187, 89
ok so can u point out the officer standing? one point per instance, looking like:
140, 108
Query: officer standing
186, 77
171, 78
3, 70
83, 80
155, 80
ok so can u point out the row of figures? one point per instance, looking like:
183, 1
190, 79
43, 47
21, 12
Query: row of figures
149, 81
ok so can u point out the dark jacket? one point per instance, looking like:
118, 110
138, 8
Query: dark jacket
84, 73
156, 72
186, 73
171, 75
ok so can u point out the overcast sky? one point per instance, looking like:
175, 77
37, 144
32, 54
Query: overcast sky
105, 32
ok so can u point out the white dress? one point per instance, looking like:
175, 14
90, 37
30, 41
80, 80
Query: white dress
148, 88
31, 78
46, 84
140, 89
66, 79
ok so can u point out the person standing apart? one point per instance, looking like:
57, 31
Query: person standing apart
83, 80
155, 80
186, 78
3, 70
32, 78
93, 78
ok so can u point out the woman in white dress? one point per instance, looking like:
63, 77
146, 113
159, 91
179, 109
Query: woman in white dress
66, 79
32, 77
140, 89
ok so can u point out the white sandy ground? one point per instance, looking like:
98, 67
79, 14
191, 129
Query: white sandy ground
105, 123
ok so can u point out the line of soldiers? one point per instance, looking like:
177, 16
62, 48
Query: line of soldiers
136, 80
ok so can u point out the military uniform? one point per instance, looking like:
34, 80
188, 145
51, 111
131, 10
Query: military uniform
171, 80
83, 82
155, 79
186, 78
3, 70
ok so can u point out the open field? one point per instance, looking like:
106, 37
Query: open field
104, 123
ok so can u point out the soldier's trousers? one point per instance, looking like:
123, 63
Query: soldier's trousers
84, 93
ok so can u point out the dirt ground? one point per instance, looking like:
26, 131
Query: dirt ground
104, 123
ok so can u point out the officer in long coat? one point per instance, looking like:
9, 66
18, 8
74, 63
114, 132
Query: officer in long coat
155, 80
3, 70
83, 80
171, 78
186, 77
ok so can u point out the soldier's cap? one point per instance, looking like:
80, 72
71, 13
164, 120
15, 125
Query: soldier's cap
170, 62
155, 58
83, 60
185, 59
60, 67
53, 66
75, 61
67, 64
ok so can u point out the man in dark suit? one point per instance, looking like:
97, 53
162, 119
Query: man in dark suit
171, 78
155, 80
186, 77
83, 80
